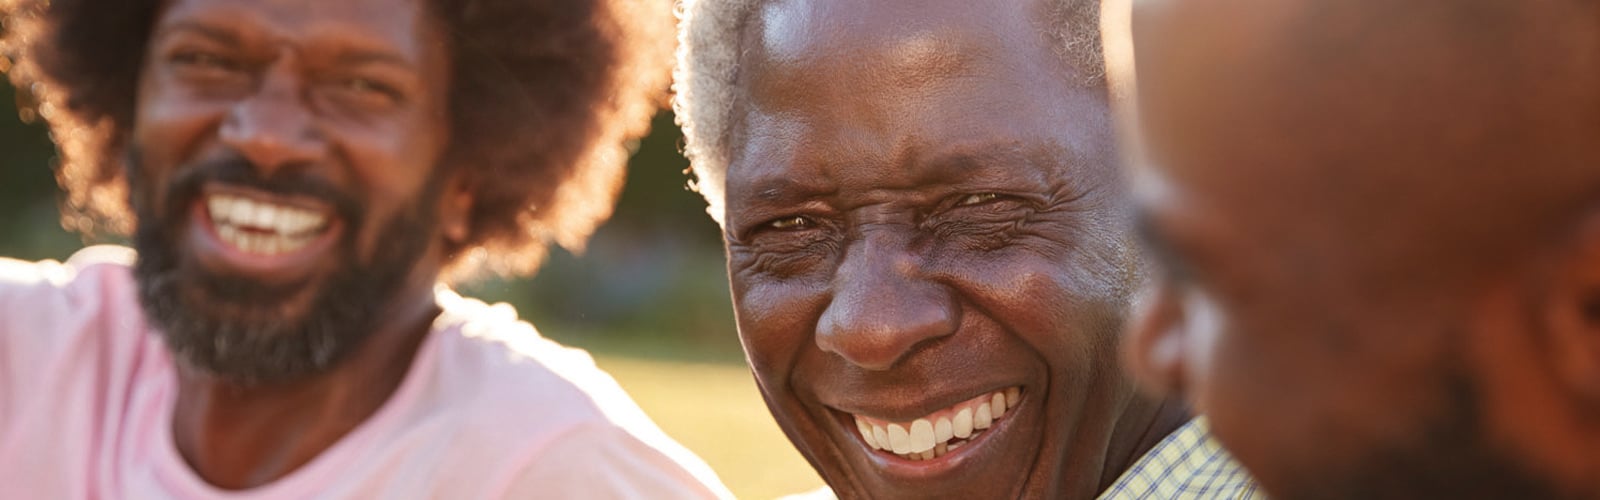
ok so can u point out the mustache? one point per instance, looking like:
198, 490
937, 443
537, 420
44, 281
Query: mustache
186, 185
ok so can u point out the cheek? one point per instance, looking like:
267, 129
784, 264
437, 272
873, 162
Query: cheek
1068, 319
170, 129
393, 167
776, 323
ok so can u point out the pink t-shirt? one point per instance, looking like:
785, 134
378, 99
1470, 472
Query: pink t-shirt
489, 409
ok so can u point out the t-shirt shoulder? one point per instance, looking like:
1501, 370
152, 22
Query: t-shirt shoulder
21, 275
555, 394
41, 295
597, 461
49, 310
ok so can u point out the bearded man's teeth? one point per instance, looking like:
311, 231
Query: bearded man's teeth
272, 228
940, 432
261, 243
258, 214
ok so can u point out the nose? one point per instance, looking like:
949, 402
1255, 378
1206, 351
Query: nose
274, 127
882, 307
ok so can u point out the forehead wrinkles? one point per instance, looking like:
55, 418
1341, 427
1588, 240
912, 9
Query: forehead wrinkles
803, 55
911, 62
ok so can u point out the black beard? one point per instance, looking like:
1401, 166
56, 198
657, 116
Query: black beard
1452, 456
237, 328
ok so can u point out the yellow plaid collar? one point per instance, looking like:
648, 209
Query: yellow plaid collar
1188, 464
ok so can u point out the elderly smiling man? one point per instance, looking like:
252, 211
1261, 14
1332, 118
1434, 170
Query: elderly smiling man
300, 173
927, 253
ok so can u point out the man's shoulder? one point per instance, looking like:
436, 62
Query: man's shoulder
512, 389
514, 372
94, 261
75, 321
93, 279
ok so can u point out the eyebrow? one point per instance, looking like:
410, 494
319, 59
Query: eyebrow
354, 57
778, 189
218, 35
351, 56
983, 159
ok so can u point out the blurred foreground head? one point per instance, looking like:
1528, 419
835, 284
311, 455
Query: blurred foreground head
926, 245
1379, 227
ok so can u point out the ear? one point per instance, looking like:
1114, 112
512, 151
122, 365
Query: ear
1153, 347
455, 208
1573, 313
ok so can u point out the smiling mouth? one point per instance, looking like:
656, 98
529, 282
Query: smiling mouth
263, 227
935, 434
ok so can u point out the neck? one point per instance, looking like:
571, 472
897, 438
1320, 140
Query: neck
241, 436
1145, 424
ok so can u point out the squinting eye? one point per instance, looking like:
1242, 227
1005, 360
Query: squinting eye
364, 85
974, 199
202, 59
366, 93
796, 222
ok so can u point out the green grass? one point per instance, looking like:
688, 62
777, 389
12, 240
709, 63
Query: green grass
714, 409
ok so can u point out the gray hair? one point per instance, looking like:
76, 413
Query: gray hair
708, 64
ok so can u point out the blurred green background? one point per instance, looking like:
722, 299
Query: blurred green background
649, 299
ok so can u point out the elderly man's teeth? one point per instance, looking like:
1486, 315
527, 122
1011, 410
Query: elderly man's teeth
921, 436
899, 439
940, 432
867, 434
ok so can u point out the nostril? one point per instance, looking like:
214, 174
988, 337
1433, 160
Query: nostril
877, 330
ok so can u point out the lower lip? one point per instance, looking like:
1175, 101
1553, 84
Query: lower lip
923, 469
217, 254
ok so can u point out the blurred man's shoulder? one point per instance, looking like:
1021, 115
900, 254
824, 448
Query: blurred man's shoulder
95, 259
512, 389
91, 278
507, 361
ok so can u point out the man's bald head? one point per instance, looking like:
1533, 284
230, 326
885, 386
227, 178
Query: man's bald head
1427, 123
1381, 224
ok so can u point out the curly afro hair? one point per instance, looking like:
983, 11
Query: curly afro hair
547, 96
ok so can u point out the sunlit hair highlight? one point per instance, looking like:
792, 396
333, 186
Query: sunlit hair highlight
547, 98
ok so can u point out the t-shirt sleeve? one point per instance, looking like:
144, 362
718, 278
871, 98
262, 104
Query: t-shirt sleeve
601, 461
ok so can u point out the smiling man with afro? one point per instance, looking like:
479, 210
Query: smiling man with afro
296, 177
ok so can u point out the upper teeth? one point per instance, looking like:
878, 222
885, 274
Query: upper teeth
939, 432
286, 228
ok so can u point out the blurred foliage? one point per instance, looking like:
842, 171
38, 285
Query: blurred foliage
652, 281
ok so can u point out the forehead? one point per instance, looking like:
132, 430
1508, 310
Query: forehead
1360, 134
394, 25
840, 82
832, 49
